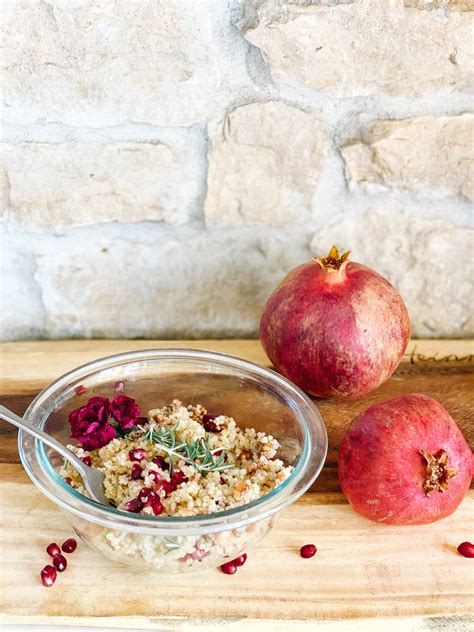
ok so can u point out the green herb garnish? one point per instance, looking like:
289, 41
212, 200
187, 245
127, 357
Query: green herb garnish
197, 453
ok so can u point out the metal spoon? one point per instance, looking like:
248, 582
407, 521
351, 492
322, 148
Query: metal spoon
92, 477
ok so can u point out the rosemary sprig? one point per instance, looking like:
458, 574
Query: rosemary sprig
197, 453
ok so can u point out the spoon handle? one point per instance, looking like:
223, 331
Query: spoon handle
21, 423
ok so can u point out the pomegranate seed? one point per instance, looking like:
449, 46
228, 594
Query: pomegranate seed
87, 460
218, 452
119, 387
209, 425
308, 550
466, 549
53, 549
159, 460
68, 480
155, 505
152, 505
48, 575
168, 486
137, 455
229, 568
80, 389
69, 546
240, 561
136, 471
60, 563
145, 492
178, 477
134, 505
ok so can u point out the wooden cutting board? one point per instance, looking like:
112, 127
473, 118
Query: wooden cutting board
365, 576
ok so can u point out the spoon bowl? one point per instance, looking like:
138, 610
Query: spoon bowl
92, 477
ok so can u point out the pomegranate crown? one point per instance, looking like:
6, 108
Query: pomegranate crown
334, 260
438, 472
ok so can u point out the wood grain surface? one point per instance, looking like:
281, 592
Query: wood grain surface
365, 576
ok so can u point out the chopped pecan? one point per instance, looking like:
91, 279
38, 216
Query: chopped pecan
239, 489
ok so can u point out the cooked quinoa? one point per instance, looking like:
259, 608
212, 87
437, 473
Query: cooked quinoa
249, 464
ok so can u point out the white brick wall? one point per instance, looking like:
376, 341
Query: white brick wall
164, 163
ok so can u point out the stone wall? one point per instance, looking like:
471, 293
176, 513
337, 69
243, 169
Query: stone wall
165, 162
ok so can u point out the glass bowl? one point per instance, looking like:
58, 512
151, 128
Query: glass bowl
255, 396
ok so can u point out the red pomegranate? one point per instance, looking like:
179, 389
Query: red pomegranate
335, 328
405, 461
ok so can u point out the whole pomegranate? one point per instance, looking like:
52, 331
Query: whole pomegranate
405, 461
335, 328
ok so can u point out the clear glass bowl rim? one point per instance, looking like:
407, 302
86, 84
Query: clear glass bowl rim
54, 487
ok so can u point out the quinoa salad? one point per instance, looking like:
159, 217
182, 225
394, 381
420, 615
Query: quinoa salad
179, 460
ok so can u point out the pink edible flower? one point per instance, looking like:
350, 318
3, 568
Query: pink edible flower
125, 411
89, 424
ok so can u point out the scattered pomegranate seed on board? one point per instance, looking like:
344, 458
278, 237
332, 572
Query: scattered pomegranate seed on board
229, 568
60, 563
119, 386
53, 549
48, 575
308, 550
69, 546
466, 549
240, 561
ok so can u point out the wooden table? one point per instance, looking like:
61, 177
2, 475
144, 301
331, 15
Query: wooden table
365, 576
